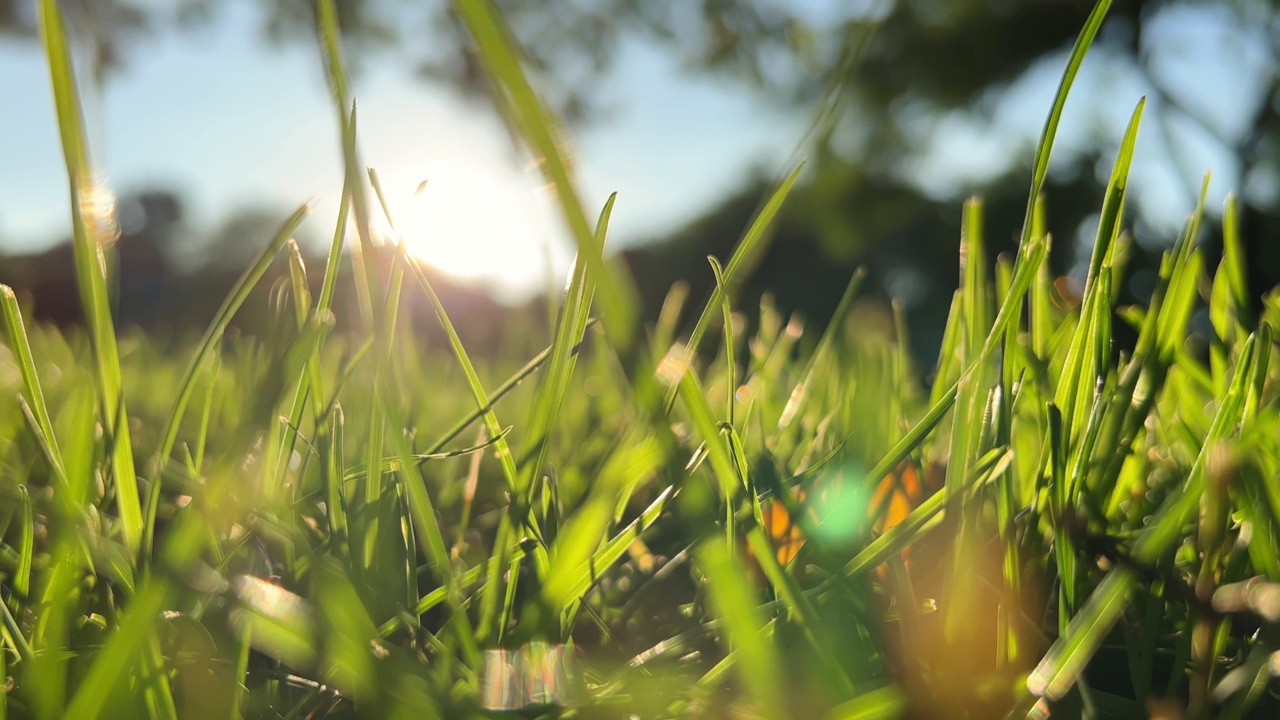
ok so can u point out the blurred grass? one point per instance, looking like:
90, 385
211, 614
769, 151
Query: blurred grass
321, 538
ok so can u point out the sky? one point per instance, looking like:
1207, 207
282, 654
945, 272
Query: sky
233, 123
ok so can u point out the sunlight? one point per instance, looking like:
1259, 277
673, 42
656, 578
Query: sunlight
477, 225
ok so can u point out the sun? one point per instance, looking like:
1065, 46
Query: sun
487, 228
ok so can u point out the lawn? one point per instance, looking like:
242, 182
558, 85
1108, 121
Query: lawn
724, 513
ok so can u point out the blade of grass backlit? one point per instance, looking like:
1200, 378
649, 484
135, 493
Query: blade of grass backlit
1065, 661
1228, 300
1030, 248
334, 258
498, 393
664, 330
573, 556
21, 347
974, 283
365, 524
121, 652
947, 371
502, 449
1081, 370
1235, 258
67, 501
704, 423
93, 229
1040, 166
301, 293
1176, 311
26, 552
335, 491
370, 530
571, 326
221, 320
353, 185
743, 259
519, 511
431, 539
1041, 314
535, 122
735, 602
36, 411
730, 348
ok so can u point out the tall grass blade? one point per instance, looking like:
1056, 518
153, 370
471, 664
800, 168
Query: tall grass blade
749, 250
93, 230
120, 654
571, 326
1065, 661
535, 123
734, 601
1083, 364
221, 320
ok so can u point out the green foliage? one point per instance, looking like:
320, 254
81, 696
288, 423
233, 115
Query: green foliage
1107, 534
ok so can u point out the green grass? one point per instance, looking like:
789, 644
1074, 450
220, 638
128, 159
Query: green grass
346, 521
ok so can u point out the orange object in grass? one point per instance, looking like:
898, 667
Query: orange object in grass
895, 496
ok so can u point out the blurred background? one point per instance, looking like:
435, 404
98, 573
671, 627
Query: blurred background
210, 120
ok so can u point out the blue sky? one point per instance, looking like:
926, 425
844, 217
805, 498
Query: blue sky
232, 123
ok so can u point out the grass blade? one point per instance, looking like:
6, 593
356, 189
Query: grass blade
221, 320
536, 124
93, 230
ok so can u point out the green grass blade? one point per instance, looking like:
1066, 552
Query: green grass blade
801, 610
431, 539
519, 512
571, 326
93, 230
1236, 261
330, 38
1066, 660
735, 604
26, 553
534, 121
744, 256
502, 449
221, 320
578, 556
334, 258
704, 423
529, 368
975, 287
21, 346
120, 654
1081, 369
1040, 165
883, 704
730, 348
